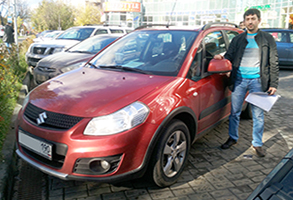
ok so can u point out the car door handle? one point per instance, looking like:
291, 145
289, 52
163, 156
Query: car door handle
192, 90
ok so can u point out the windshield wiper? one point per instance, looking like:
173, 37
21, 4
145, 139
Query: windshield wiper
93, 65
88, 52
124, 68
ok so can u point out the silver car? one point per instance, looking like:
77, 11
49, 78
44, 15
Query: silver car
70, 37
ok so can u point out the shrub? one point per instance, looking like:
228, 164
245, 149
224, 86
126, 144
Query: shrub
12, 71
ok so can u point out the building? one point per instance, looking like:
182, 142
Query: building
133, 13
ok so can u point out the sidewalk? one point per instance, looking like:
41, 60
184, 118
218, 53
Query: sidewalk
9, 164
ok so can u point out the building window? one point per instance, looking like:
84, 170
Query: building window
123, 17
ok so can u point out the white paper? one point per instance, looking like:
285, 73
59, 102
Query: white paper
262, 100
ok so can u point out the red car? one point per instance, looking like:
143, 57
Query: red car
135, 108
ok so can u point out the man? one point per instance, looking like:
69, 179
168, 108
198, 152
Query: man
255, 68
8, 36
241, 25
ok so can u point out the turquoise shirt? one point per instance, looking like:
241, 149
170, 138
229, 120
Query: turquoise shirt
250, 63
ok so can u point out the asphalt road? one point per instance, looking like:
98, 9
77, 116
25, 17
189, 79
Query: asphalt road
211, 173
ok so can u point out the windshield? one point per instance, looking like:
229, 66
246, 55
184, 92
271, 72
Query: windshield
52, 34
150, 51
76, 34
93, 44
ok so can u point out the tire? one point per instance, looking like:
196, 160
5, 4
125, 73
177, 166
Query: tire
247, 114
170, 154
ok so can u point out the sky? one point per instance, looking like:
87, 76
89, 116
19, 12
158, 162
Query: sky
35, 3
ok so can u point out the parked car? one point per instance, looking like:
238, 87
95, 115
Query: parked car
284, 41
48, 36
71, 58
278, 184
41, 34
67, 39
135, 108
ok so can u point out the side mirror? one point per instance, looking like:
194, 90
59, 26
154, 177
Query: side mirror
219, 66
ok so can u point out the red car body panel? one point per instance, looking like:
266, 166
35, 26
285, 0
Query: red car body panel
87, 94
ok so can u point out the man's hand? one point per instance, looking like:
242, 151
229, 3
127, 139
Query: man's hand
271, 91
218, 57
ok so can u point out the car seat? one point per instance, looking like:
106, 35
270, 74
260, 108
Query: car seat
169, 50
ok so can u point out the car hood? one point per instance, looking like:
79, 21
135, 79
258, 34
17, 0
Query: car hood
88, 92
62, 59
57, 43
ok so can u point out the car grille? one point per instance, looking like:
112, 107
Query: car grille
35, 60
39, 50
52, 120
58, 154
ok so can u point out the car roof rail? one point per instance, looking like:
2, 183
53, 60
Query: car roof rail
219, 24
119, 25
152, 25
93, 25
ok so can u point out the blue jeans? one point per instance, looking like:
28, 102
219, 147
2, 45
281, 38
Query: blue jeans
243, 85
8, 45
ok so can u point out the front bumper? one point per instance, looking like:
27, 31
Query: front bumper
33, 59
41, 167
40, 76
126, 176
82, 151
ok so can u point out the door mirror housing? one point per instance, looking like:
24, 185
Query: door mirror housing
219, 66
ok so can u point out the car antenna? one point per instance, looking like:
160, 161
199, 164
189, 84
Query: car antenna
168, 24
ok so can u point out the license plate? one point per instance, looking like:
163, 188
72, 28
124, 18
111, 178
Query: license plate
40, 147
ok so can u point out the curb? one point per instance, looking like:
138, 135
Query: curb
8, 166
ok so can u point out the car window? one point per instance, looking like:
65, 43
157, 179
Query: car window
92, 45
116, 31
279, 36
291, 37
76, 34
101, 31
231, 35
214, 44
194, 72
156, 52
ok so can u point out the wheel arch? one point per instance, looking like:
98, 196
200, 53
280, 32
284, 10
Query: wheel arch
186, 115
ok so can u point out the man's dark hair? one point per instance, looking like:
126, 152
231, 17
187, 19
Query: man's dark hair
252, 11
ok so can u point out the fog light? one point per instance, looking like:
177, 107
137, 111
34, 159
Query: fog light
105, 165
101, 166
97, 166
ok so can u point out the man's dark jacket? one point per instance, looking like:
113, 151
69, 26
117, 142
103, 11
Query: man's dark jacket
8, 34
269, 62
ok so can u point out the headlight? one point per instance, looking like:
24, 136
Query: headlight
30, 49
25, 101
59, 49
71, 67
122, 120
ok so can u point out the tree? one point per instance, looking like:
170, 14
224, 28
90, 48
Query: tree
52, 15
22, 10
88, 15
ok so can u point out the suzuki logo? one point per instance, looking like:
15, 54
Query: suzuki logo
41, 118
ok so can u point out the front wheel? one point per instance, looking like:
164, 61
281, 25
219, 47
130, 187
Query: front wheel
171, 154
